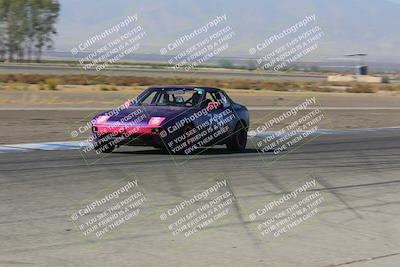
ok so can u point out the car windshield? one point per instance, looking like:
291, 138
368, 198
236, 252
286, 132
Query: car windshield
172, 97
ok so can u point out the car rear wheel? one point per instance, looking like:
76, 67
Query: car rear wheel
238, 140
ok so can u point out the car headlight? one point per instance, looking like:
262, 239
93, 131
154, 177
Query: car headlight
102, 119
155, 121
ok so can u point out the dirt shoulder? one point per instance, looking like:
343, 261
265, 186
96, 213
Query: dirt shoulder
24, 95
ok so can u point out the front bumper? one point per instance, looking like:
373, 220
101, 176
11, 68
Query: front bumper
123, 129
127, 135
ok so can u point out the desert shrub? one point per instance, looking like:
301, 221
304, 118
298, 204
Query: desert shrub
52, 84
104, 87
42, 85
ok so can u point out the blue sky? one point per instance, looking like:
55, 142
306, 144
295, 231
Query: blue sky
370, 26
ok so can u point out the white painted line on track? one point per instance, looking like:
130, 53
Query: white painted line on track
68, 145
263, 134
325, 108
54, 108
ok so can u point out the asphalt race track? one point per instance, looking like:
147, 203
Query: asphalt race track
357, 173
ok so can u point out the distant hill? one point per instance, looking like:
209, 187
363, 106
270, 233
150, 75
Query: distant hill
350, 25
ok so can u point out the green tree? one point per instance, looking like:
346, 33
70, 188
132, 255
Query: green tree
46, 17
26, 25
2, 32
251, 64
31, 17
225, 63
4, 26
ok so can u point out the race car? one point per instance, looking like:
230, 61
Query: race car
179, 119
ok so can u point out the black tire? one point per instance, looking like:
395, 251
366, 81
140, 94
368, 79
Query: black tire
238, 140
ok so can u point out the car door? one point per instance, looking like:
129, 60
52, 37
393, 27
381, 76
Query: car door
221, 115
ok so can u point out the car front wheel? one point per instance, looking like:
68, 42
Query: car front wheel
238, 140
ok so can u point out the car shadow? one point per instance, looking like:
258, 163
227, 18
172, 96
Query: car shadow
208, 151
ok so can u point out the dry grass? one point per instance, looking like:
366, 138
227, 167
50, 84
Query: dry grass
362, 88
16, 86
110, 83
104, 87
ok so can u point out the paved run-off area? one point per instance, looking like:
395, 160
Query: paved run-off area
357, 224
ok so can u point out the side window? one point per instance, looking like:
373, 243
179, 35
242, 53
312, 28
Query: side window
208, 99
223, 99
149, 99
